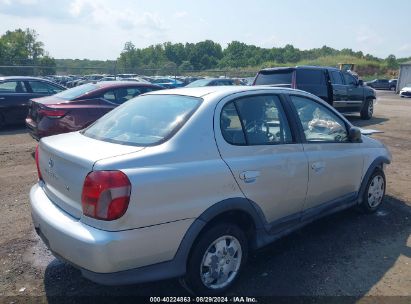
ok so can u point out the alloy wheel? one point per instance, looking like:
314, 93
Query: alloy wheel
221, 262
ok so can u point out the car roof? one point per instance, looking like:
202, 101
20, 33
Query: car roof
117, 83
314, 67
226, 90
22, 78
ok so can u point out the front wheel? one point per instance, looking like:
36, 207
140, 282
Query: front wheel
367, 109
374, 192
216, 260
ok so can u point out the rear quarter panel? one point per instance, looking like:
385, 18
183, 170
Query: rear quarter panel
173, 181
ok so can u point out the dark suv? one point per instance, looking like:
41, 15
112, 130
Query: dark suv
340, 89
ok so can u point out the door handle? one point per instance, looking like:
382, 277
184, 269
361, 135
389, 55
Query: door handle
249, 176
1, 98
317, 166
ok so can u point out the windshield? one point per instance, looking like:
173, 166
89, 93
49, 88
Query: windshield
198, 83
76, 92
278, 77
145, 120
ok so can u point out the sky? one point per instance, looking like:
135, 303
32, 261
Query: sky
98, 29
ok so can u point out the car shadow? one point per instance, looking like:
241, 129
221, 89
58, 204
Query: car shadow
344, 254
357, 121
13, 130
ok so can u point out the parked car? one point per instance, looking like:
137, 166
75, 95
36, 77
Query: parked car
206, 82
340, 89
406, 91
167, 83
15, 93
77, 108
382, 84
137, 79
184, 183
393, 84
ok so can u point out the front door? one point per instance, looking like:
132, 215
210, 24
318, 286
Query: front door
355, 93
255, 140
335, 164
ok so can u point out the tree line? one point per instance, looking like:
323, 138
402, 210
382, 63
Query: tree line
22, 47
206, 55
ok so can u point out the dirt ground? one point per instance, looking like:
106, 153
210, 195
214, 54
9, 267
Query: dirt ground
346, 254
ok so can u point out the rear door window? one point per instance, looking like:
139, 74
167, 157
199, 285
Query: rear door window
277, 77
121, 95
310, 77
12, 87
255, 120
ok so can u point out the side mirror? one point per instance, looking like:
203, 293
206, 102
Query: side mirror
360, 82
354, 134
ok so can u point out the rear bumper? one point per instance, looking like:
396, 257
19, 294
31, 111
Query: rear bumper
32, 129
109, 257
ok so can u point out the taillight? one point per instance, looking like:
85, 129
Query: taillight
106, 195
52, 113
36, 156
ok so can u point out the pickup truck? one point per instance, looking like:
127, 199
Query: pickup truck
340, 89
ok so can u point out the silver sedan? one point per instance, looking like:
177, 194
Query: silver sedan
184, 183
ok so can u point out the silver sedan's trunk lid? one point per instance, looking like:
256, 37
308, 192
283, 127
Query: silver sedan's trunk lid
65, 160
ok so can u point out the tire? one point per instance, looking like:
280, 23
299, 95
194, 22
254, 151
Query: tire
392, 88
374, 192
232, 242
367, 109
2, 121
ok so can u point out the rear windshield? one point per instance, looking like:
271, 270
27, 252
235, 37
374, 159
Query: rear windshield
144, 120
277, 77
76, 92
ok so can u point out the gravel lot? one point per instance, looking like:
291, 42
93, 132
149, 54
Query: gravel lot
344, 254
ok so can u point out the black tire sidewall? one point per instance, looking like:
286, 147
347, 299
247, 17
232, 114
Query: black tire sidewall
364, 111
192, 280
2, 121
365, 205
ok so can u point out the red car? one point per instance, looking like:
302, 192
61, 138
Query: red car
77, 108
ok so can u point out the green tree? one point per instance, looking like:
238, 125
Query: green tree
391, 62
22, 47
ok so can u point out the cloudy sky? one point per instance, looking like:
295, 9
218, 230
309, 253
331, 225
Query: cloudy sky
98, 29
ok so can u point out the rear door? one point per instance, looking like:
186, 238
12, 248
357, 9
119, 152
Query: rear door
339, 89
14, 100
255, 140
314, 81
335, 164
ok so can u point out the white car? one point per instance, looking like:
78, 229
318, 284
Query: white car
184, 183
406, 91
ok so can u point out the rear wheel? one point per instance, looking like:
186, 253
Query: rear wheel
216, 260
392, 88
374, 192
2, 121
367, 109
